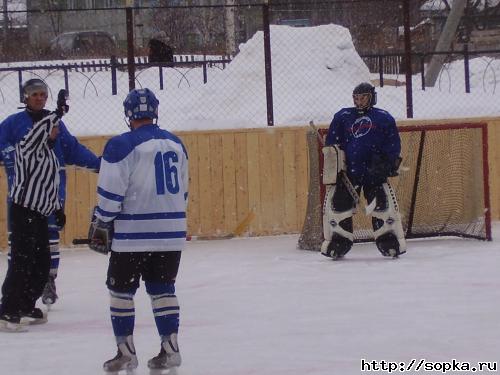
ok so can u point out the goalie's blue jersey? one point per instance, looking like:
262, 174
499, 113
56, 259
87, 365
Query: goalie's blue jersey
363, 137
143, 187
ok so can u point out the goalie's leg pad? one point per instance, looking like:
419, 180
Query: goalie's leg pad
386, 221
337, 222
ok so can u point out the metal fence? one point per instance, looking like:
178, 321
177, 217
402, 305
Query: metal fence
244, 65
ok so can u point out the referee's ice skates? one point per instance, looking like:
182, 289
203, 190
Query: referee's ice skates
20, 323
35, 316
12, 323
169, 355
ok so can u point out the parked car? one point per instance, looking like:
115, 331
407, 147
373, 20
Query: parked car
83, 44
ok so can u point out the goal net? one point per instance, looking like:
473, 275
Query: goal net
442, 187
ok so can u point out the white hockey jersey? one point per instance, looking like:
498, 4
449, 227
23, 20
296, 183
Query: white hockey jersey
143, 187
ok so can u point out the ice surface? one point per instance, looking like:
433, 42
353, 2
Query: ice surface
260, 306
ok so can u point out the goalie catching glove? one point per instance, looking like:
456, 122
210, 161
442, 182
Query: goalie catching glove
382, 167
100, 235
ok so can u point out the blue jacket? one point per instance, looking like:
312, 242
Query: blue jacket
67, 148
365, 139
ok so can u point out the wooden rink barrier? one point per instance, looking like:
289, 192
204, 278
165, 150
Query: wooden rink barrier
250, 182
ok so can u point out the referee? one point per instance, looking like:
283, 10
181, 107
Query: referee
34, 196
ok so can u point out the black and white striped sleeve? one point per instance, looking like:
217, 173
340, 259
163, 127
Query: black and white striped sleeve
36, 182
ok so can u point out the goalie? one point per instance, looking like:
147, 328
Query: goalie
362, 149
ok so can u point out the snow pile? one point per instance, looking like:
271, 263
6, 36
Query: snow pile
303, 60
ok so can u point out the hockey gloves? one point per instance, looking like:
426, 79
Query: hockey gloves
100, 235
60, 218
62, 106
382, 167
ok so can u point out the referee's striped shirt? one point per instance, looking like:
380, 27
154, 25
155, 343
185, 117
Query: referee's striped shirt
36, 181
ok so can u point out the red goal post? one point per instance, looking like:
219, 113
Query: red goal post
442, 187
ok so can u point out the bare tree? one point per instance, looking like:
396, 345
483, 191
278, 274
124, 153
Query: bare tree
50, 8
5, 20
197, 29
230, 30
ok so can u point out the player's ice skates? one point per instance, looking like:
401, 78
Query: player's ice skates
125, 358
169, 355
11, 323
49, 296
35, 316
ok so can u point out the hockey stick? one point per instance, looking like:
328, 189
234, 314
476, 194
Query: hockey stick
238, 231
80, 241
343, 176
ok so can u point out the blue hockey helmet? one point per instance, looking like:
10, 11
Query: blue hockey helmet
364, 96
141, 103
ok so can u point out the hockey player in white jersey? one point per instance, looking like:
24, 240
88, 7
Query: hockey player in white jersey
141, 218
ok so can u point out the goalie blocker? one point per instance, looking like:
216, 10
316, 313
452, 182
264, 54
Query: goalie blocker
334, 163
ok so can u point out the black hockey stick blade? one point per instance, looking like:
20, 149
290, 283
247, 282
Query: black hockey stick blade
81, 241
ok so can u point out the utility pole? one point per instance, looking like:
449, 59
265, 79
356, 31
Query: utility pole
129, 16
408, 65
5, 23
445, 40
230, 27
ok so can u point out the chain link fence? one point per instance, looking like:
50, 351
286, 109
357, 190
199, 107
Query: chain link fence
247, 65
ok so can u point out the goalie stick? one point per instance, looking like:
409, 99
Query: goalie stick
343, 176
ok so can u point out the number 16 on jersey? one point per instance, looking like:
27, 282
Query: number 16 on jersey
166, 172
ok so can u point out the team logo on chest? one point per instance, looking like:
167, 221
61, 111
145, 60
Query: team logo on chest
361, 126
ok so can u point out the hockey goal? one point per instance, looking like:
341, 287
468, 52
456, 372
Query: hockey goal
442, 187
